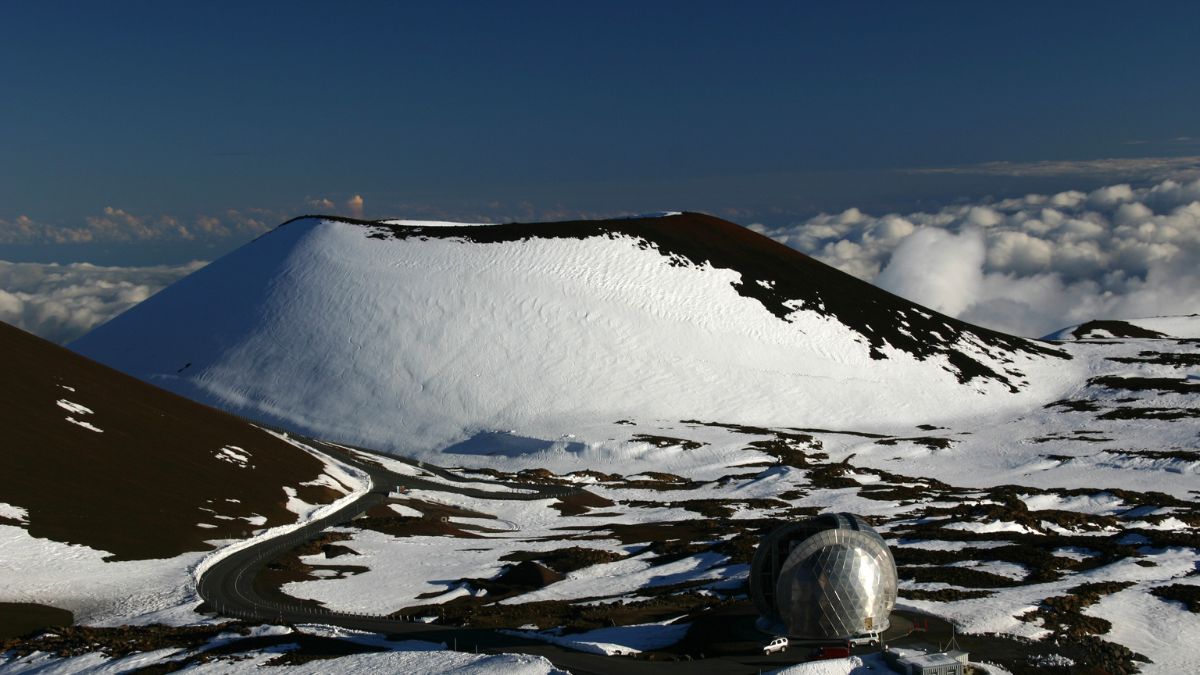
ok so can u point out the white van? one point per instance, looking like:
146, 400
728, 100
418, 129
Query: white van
776, 645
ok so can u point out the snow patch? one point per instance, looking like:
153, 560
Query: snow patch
1153, 627
988, 528
85, 425
615, 641
234, 455
406, 511
73, 407
851, 665
14, 513
295, 504
1100, 502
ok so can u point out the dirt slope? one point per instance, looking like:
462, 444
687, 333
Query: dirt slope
138, 487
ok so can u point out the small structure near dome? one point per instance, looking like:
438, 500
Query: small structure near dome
830, 577
927, 662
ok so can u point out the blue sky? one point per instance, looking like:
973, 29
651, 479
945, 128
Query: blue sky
248, 113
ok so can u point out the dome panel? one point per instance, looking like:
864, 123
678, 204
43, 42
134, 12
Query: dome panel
830, 577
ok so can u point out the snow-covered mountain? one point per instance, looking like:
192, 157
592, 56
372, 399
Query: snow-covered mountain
1151, 327
409, 336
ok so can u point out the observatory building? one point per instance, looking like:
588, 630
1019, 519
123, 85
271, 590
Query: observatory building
830, 577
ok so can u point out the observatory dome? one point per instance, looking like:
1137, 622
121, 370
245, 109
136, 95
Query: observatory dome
828, 577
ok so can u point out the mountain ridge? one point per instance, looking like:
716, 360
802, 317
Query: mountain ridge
730, 246
366, 331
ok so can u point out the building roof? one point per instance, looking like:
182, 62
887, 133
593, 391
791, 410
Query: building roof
927, 659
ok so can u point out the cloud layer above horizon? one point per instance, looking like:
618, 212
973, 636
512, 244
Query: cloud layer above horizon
62, 302
1030, 265
1026, 266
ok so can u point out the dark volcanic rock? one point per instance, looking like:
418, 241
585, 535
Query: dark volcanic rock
1120, 329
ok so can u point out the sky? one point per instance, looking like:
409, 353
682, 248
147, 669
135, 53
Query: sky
148, 134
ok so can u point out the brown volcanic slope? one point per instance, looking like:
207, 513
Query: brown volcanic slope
779, 277
138, 488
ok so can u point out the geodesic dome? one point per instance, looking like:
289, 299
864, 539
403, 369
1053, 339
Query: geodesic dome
828, 577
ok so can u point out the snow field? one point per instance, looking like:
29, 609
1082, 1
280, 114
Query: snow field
722, 452
1164, 631
78, 579
541, 336
998, 613
1013, 448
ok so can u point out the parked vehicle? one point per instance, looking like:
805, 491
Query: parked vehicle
776, 645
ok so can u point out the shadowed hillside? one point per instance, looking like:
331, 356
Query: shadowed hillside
95, 457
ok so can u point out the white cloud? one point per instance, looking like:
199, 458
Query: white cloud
1020, 252
62, 302
1028, 265
113, 224
958, 259
352, 206
355, 205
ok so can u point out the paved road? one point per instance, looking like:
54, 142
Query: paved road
227, 587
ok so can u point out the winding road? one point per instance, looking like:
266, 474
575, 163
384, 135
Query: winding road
227, 586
